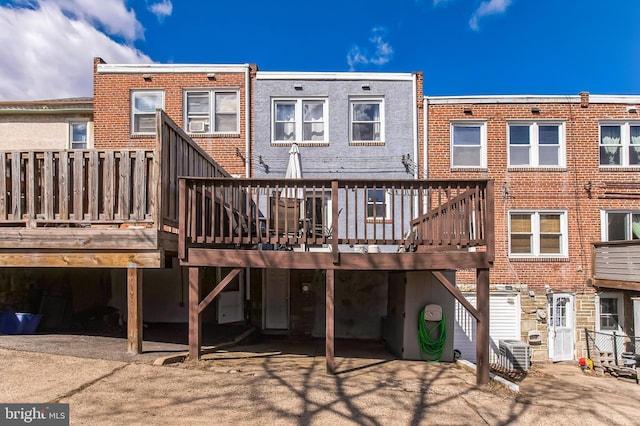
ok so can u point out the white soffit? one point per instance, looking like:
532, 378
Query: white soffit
354, 76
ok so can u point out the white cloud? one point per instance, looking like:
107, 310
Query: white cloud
486, 8
162, 9
382, 54
47, 49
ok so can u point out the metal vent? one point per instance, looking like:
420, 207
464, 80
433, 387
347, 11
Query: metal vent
515, 355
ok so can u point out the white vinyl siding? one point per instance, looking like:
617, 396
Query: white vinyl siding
504, 311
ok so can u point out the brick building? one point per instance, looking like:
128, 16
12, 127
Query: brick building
210, 102
566, 173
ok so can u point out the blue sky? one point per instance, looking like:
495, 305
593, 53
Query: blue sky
464, 47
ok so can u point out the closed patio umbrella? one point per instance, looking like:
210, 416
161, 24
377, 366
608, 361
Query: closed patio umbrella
293, 172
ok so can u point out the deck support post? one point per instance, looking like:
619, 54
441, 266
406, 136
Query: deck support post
195, 329
330, 321
134, 309
482, 343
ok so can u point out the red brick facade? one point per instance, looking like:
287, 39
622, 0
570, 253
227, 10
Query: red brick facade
582, 188
112, 108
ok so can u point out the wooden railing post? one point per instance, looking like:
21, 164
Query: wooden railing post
182, 219
334, 221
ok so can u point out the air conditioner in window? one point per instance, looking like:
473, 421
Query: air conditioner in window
197, 126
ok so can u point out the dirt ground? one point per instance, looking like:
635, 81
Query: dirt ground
285, 383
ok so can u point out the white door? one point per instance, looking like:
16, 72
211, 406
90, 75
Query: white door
504, 324
229, 307
276, 299
561, 327
231, 302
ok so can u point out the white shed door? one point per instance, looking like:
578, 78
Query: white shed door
504, 323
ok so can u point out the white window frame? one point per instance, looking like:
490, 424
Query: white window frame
211, 116
298, 103
367, 100
624, 146
483, 143
620, 306
604, 223
134, 92
386, 205
535, 231
70, 123
534, 143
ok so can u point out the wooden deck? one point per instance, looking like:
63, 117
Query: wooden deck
255, 222
325, 224
96, 208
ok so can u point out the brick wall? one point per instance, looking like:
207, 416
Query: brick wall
112, 110
554, 188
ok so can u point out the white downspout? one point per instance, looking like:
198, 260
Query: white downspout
416, 171
425, 107
247, 163
247, 115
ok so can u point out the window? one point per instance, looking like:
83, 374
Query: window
376, 204
621, 226
468, 145
78, 134
204, 107
367, 120
537, 234
299, 120
609, 319
536, 144
143, 110
620, 144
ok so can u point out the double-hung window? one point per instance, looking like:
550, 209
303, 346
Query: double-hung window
366, 120
377, 204
212, 111
78, 134
537, 144
621, 225
620, 144
609, 313
143, 110
537, 233
468, 144
299, 120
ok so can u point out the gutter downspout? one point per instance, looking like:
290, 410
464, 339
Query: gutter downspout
416, 171
247, 130
425, 107
247, 166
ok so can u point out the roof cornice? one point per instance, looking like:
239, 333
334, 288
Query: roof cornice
370, 76
170, 68
531, 99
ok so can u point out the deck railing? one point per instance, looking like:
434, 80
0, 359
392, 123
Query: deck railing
285, 212
99, 186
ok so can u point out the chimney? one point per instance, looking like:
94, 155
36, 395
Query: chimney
584, 99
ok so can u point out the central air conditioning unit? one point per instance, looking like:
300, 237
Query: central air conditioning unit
196, 126
515, 355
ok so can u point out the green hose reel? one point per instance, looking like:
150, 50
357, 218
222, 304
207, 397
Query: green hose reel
432, 333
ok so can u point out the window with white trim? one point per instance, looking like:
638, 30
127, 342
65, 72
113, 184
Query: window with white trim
78, 134
621, 225
609, 313
537, 144
366, 118
620, 144
143, 110
212, 111
537, 233
377, 204
468, 144
299, 120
